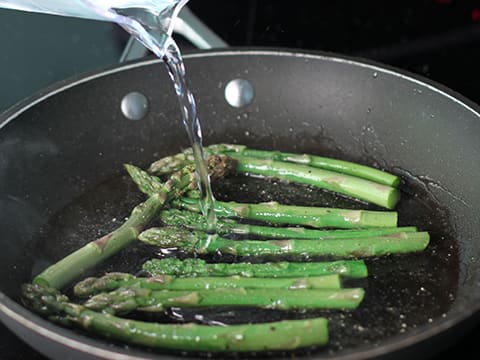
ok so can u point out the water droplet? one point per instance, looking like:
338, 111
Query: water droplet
375, 75
238, 337
359, 327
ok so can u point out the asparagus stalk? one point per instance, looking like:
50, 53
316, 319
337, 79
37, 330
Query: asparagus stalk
356, 187
113, 281
316, 217
73, 265
125, 300
281, 335
175, 162
198, 242
372, 192
340, 166
282, 269
95, 252
195, 221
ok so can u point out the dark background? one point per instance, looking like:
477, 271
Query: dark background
438, 39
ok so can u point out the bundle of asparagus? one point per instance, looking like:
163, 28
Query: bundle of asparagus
358, 181
278, 285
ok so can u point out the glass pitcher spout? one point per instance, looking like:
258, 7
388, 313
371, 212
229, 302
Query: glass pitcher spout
150, 21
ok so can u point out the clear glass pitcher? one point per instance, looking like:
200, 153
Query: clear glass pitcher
150, 21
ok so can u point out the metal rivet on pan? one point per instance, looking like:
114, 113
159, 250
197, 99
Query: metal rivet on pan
134, 106
239, 92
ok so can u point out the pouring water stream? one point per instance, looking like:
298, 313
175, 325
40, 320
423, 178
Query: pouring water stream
151, 22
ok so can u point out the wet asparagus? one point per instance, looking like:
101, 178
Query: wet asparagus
113, 281
198, 242
195, 221
199, 267
95, 252
316, 217
358, 188
353, 186
126, 300
175, 162
281, 335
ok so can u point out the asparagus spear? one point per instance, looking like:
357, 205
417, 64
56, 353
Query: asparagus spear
281, 335
356, 187
172, 163
95, 252
175, 162
316, 217
340, 166
218, 166
199, 267
113, 281
372, 192
201, 243
125, 300
195, 221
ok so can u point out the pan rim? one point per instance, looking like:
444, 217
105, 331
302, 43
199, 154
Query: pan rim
90, 346
17, 313
43, 94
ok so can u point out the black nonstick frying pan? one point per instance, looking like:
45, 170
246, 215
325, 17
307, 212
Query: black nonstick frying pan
61, 156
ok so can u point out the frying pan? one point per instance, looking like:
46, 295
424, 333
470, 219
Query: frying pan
71, 140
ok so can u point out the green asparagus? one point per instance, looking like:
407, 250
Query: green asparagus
353, 186
175, 162
281, 335
126, 300
95, 252
198, 242
366, 190
316, 217
113, 281
195, 221
199, 267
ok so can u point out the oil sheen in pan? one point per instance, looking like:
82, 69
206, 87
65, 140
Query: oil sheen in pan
402, 292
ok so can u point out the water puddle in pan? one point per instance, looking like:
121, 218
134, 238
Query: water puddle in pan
402, 292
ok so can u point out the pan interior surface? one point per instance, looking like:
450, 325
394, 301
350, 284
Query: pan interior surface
62, 182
